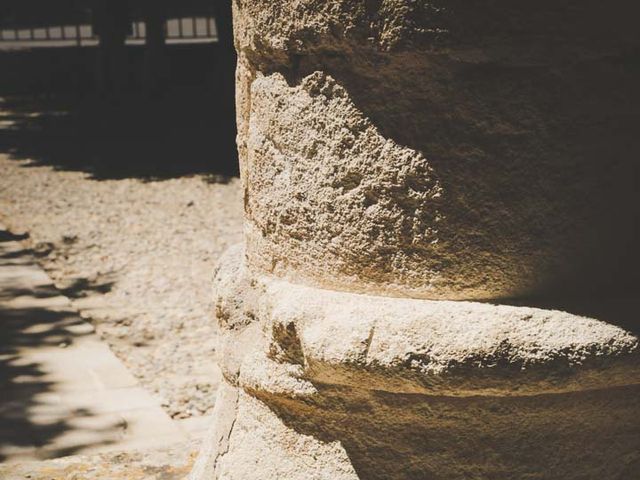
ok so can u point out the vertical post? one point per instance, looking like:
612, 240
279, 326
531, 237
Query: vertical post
155, 58
224, 80
78, 71
111, 24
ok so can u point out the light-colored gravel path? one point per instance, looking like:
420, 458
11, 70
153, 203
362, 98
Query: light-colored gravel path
137, 258
63, 390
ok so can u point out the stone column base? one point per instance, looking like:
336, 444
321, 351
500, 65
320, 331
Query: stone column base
331, 385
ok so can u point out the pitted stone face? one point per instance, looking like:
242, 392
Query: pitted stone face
331, 202
305, 337
438, 149
330, 198
326, 384
395, 154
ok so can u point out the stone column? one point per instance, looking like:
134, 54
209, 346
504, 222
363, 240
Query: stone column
439, 272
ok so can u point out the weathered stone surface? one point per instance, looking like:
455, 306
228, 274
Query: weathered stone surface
440, 149
334, 384
443, 348
399, 160
348, 432
261, 445
325, 184
582, 435
410, 345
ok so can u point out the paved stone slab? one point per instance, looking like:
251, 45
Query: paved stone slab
63, 390
170, 463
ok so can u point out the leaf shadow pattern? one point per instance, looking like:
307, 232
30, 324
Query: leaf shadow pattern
32, 323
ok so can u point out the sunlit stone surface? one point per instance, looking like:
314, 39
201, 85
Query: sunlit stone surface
402, 161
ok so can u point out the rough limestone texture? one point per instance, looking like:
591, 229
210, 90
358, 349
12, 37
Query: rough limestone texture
440, 149
432, 189
322, 384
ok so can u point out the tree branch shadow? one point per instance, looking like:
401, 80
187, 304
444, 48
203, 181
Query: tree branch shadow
28, 425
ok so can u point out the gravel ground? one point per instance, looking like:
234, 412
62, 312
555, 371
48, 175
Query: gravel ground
137, 259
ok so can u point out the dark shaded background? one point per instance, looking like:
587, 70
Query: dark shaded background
55, 113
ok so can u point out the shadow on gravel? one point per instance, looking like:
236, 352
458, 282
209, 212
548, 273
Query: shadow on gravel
82, 287
178, 133
22, 428
28, 428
